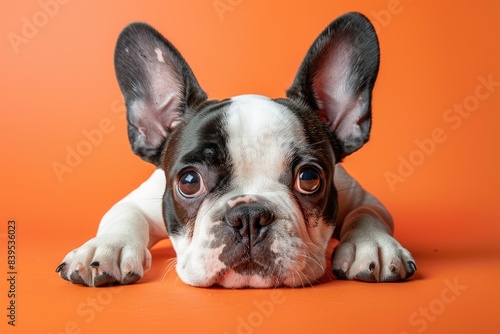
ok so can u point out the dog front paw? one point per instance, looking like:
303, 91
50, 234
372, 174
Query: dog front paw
106, 260
373, 258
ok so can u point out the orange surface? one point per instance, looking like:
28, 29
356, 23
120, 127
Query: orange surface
436, 169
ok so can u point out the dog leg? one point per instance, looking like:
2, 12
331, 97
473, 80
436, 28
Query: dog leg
367, 250
119, 253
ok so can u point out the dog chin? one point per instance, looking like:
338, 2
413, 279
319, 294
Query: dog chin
233, 280
229, 278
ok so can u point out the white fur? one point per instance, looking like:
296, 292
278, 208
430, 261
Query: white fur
260, 134
260, 131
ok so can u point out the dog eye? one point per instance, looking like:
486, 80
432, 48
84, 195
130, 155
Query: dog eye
308, 180
191, 184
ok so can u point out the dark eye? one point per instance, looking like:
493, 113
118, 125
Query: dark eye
191, 184
308, 180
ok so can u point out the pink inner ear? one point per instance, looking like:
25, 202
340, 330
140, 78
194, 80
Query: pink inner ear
156, 116
338, 106
330, 82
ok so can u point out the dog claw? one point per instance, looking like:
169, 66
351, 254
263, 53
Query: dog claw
95, 264
60, 267
366, 276
103, 279
76, 278
392, 277
340, 274
410, 269
62, 273
130, 278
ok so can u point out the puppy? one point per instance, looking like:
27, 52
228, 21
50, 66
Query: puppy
249, 189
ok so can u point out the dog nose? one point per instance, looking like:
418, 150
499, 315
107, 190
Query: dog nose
250, 221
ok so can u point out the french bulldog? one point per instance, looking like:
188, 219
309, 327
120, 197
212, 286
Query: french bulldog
248, 189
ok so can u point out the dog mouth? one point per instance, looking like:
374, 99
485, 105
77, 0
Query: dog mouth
250, 273
251, 267
247, 275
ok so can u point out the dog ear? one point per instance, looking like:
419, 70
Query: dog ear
336, 80
158, 86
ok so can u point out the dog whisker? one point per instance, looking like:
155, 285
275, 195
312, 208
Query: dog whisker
171, 263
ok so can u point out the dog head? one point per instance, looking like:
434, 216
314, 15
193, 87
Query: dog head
250, 199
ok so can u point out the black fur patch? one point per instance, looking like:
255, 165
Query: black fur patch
320, 150
199, 143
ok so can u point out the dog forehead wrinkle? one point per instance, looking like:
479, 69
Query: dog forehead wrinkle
262, 135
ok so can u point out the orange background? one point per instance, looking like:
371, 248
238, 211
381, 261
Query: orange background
58, 84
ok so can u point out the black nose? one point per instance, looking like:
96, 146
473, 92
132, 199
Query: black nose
251, 221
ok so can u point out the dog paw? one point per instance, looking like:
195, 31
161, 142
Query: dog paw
106, 260
374, 258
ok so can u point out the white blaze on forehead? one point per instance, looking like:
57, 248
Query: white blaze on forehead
261, 135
